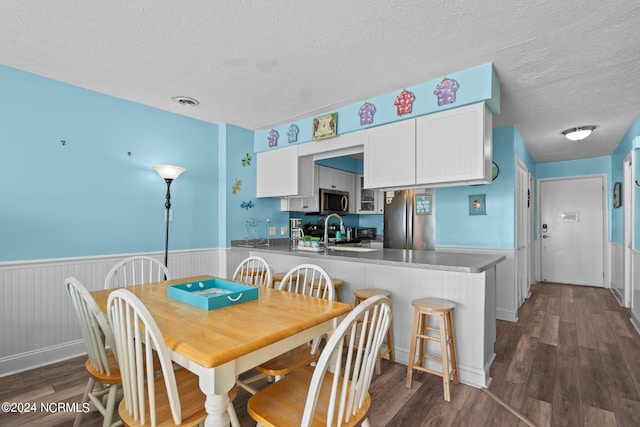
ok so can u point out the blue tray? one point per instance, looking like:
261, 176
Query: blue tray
213, 293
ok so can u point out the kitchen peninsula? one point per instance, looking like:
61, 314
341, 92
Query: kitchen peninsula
467, 279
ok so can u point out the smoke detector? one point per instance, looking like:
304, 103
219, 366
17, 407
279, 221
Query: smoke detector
185, 100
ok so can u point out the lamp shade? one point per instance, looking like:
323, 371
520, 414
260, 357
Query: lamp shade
168, 171
579, 133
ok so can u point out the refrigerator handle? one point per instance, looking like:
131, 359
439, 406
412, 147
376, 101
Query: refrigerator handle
409, 216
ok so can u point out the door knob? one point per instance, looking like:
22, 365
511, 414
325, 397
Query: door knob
545, 236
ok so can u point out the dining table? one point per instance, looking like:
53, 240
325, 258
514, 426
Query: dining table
220, 344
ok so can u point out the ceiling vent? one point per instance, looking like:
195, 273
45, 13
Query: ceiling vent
185, 100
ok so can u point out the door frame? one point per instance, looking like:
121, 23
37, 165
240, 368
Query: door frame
627, 230
605, 219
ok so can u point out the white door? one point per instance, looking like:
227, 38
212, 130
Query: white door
572, 230
522, 243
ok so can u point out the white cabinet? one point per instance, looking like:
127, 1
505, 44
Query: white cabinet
368, 200
454, 146
303, 204
389, 155
334, 179
281, 173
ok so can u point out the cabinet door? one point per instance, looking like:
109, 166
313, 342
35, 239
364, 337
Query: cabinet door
325, 177
281, 173
389, 155
365, 197
454, 146
277, 173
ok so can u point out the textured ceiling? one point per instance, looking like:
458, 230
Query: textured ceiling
257, 64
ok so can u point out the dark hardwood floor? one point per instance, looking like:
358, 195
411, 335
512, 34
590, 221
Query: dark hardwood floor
573, 359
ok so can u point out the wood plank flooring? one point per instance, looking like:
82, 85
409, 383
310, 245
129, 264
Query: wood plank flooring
573, 359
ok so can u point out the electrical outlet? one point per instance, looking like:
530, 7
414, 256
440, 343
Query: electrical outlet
283, 230
272, 231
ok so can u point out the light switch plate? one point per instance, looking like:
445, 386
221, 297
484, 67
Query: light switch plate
283, 230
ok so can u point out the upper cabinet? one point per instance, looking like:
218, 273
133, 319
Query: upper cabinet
335, 179
389, 155
281, 173
368, 201
452, 147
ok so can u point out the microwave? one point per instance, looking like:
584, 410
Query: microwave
364, 233
333, 201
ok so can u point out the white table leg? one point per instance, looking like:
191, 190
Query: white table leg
215, 383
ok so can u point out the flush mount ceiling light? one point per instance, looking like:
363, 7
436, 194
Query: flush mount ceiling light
579, 133
185, 100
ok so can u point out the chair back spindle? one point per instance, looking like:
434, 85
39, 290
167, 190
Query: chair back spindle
136, 270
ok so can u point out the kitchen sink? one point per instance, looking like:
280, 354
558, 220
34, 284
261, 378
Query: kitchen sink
351, 248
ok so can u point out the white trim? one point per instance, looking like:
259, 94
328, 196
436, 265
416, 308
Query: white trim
34, 359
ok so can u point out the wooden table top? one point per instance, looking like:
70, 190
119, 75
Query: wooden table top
214, 337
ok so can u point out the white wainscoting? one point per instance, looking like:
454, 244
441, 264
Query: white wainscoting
506, 293
37, 322
616, 271
635, 299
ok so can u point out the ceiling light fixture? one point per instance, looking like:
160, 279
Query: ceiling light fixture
185, 100
579, 133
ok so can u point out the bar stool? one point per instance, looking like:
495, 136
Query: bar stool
361, 295
275, 278
443, 309
337, 285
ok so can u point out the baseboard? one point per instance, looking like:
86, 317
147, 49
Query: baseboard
45, 356
506, 315
473, 377
635, 321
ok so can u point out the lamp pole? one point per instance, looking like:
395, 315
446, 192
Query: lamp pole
167, 205
168, 173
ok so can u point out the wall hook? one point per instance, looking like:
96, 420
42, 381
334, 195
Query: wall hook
63, 142
129, 153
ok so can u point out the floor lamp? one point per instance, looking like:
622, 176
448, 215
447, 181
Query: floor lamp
168, 173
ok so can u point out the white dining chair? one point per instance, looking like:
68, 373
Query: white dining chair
136, 270
254, 270
102, 366
336, 391
306, 279
173, 396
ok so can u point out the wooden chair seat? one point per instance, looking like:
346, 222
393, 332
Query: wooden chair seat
191, 399
336, 391
290, 361
103, 377
269, 408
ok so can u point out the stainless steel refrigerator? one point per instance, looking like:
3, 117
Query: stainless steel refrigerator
409, 219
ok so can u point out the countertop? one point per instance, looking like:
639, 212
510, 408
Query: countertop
464, 262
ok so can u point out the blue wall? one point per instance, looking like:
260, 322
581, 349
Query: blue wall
630, 143
454, 225
238, 143
89, 197
475, 85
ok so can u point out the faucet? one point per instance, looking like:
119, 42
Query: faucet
326, 221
